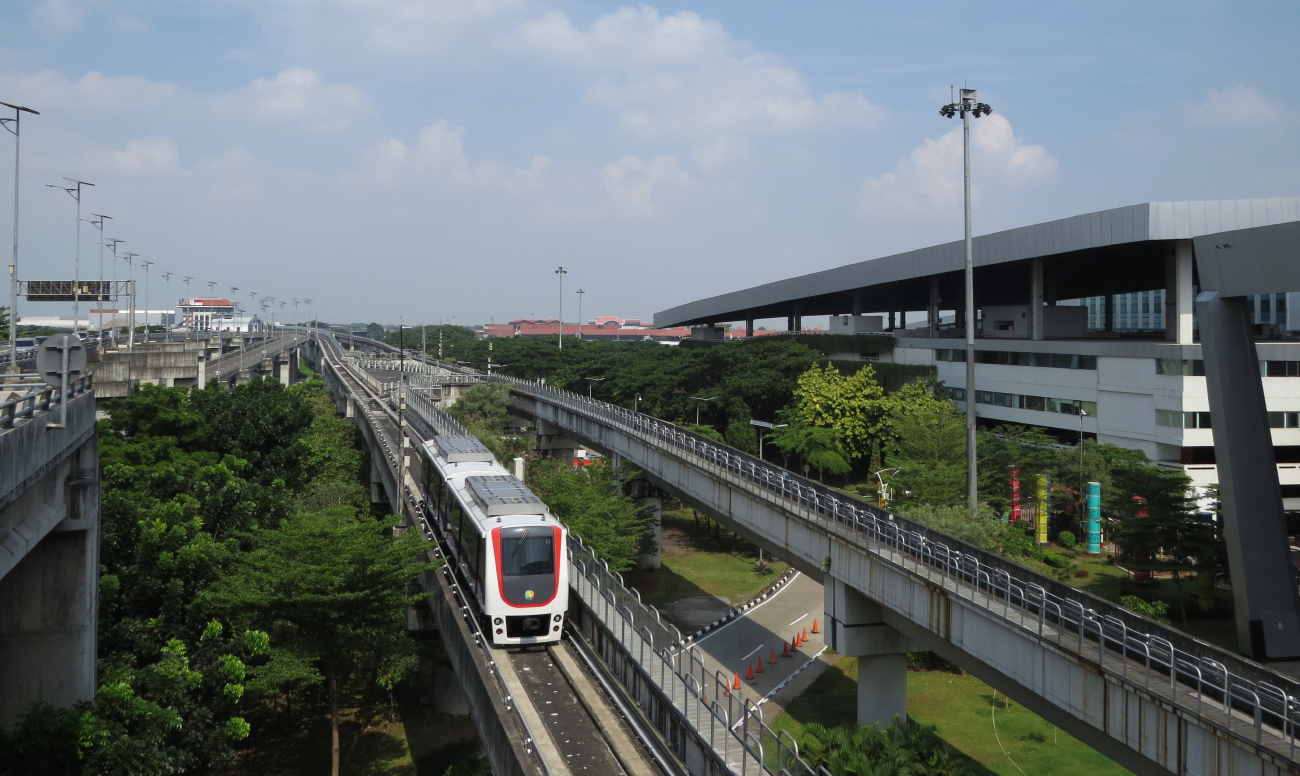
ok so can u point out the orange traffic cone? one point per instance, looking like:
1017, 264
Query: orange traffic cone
804, 636
795, 644
736, 684
749, 676
814, 626
772, 660
760, 664
785, 650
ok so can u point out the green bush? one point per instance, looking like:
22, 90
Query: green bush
1065, 539
1155, 610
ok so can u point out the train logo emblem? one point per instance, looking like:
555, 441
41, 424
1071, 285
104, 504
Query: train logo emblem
528, 595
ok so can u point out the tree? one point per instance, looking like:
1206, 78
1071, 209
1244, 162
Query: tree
928, 437
587, 499
331, 589
853, 407
820, 447
486, 404
4, 324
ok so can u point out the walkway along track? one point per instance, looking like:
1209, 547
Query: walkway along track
559, 722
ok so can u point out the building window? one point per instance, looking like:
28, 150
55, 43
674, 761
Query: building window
1265, 309
1176, 419
1184, 367
1017, 358
1280, 368
1018, 401
1284, 420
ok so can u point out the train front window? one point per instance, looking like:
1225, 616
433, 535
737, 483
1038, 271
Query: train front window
532, 551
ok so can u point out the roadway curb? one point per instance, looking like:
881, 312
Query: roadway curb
736, 611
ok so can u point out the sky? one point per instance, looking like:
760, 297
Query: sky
432, 160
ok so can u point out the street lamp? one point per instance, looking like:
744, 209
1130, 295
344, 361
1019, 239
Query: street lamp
763, 424
968, 106
167, 278
311, 320
1082, 414
636, 402
130, 282
113, 242
74, 191
591, 383
580, 293
98, 223
561, 272
700, 400
146, 265
16, 131
881, 500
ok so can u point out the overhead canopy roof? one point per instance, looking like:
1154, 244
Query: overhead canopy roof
1110, 251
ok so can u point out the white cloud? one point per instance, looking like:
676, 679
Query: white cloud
929, 180
631, 182
300, 95
141, 156
440, 151
403, 27
54, 17
685, 76
94, 92
1238, 106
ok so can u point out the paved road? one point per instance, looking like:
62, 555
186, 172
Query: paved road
739, 644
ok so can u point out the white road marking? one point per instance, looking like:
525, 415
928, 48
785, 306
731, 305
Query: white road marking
800, 617
786, 681
735, 620
756, 649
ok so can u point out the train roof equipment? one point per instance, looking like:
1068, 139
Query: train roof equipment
501, 495
462, 448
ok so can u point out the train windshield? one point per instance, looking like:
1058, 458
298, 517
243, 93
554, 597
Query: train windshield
530, 552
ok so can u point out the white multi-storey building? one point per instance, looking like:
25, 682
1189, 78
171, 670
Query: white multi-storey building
1048, 351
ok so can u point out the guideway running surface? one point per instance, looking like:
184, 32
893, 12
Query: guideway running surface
739, 645
575, 734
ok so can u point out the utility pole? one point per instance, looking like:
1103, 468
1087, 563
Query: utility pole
98, 223
968, 106
580, 293
561, 272
15, 130
74, 191
130, 279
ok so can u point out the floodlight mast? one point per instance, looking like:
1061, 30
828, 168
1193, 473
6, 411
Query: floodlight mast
968, 106
98, 223
74, 191
15, 130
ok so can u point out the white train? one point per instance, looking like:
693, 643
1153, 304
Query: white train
507, 547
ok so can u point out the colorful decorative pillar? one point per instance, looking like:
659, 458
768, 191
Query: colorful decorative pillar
1015, 496
1044, 507
1094, 517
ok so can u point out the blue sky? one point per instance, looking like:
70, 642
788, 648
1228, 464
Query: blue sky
439, 158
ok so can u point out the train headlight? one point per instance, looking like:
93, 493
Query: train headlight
497, 621
559, 617
498, 631
556, 629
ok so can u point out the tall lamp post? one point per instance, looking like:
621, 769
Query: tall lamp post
16, 131
763, 424
967, 107
591, 383
561, 272
98, 223
580, 293
700, 400
636, 402
130, 281
74, 191
146, 265
167, 278
113, 242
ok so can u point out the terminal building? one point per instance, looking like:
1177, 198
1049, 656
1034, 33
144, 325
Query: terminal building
1086, 325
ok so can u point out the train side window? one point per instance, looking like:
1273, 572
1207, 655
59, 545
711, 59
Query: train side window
482, 560
472, 542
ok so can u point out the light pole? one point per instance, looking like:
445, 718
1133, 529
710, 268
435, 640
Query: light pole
16, 131
636, 402
167, 278
561, 272
968, 106
74, 191
98, 223
146, 265
580, 293
113, 242
130, 282
700, 400
1082, 414
311, 319
881, 500
763, 424
591, 383
189, 302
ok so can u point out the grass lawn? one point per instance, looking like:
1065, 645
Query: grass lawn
963, 709
695, 562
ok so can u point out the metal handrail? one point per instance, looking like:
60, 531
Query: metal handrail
41, 397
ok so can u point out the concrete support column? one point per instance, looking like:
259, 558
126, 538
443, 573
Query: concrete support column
932, 312
1178, 294
1036, 300
49, 598
797, 325
749, 327
891, 320
789, 323
1263, 577
651, 561
351, 410
855, 626
1108, 307
857, 303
